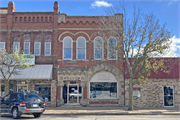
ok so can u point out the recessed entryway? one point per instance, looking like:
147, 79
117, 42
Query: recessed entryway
72, 94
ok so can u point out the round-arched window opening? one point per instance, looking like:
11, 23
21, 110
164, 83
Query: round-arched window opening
103, 85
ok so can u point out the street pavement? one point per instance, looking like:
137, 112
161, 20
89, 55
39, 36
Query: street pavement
102, 113
78, 110
94, 117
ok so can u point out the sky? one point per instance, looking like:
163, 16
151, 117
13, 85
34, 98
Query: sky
167, 11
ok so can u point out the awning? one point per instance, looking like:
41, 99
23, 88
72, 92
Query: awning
35, 72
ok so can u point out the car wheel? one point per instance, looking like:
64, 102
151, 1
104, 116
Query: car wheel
15, 113
36, 115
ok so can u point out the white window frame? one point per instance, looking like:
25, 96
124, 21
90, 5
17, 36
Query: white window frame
71, 48
4, 45
45, 48
80, 48
14, 44
108, 49
25, 48
102, 49
163, 95
39, 48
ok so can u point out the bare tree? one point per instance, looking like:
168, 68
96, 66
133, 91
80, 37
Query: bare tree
12, 64
142, 38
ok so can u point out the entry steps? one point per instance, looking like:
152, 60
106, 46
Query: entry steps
71, 105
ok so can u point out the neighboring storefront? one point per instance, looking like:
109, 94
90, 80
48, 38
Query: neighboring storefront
156, 93
161, 90
37, 78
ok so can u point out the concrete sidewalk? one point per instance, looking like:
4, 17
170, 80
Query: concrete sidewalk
73, 110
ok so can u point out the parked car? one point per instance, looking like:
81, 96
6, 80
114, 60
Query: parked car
21, 103
74, 95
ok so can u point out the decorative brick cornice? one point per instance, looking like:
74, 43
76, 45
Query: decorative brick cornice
30, 30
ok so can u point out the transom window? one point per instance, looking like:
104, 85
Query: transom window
16, 46
67, 48
27, 48
47, 48
81, 48
37, 48
112, 52
98, 48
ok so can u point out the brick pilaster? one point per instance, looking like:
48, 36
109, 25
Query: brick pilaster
42, 43
85, 92
32, 44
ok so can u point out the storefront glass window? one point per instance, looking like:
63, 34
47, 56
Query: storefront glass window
2, 90
103, 90
44, 90
168, 96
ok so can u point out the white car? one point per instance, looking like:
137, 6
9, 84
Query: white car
74, 95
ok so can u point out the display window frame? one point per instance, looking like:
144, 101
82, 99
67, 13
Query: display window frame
117, 83
45, 84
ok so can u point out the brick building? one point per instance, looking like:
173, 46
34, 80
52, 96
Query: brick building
68, 69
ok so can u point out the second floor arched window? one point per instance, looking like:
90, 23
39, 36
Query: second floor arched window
81, 48
112, 52
98, 48
67, 48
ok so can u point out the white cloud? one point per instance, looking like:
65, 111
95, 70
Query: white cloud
98, 3
173, 51
171, 2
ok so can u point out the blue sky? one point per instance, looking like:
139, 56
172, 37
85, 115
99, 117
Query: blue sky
167, 11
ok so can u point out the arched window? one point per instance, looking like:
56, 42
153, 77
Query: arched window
81, 48
98, 48
103, 85
112, 52
67, 48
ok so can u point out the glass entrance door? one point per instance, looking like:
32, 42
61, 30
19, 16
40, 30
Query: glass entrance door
168, 96
22, 89
74, 94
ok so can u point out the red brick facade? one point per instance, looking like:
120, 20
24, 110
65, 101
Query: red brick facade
53, 27
36, 25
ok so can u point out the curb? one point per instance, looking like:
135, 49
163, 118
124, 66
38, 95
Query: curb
111, 113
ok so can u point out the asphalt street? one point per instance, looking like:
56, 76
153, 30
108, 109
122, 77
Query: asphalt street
94, 117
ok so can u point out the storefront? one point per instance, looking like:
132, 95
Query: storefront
36, 79
87, 87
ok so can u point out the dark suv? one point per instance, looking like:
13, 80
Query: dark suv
22, 103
